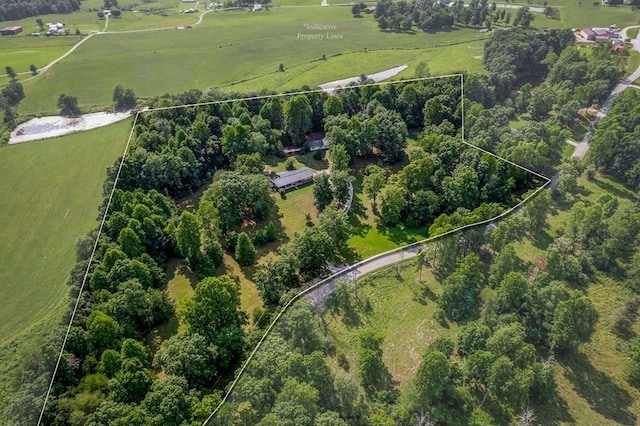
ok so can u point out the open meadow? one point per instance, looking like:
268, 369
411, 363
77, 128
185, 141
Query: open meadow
49, 195
216, 53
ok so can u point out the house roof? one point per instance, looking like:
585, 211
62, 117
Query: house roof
602, 32
588, 31
318, 144
13, 28
292, 177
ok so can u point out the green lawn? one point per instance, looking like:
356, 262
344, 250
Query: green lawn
633, 33
216, 54
49, 194
633, 63
293, 209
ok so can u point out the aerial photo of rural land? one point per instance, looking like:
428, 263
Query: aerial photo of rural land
319, 212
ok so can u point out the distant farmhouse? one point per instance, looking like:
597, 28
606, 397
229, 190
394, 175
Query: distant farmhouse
55, 29
599, 35
11, 30
284, 181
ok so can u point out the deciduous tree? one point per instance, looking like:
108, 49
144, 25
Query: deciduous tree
245, 252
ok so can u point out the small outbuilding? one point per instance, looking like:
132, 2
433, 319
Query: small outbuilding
11, 30
284, 181
318, 144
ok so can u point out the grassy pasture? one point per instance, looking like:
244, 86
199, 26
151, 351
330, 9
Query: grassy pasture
49, 193
215, 53
401, 309
20, 52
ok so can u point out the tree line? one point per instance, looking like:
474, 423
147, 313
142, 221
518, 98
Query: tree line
12, 10
434, 16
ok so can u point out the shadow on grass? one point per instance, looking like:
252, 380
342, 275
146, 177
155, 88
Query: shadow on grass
599, 390
541, 239
554, 413
606, 186
179, 267
400, 235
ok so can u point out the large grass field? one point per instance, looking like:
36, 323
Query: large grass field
217, 53
49, 194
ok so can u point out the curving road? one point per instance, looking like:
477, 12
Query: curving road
625, 83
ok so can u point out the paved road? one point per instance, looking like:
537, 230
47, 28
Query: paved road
331, 86
583, 146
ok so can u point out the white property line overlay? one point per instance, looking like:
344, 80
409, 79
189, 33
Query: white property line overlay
399, 249
355, 266
257, 97
86, 273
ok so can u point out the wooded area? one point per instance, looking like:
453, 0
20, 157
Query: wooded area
514, 315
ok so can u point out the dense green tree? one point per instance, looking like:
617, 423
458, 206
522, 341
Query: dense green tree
214, 312
393, 200
245, 252
338, 158
274, 277
473, 337
506, 261
508, 385
130, 242
131, 383
131, 348
373, 182
239, 139
535, 211
272, 111
462, 188
340, 182
123, 99
332, 106
573, 322
102, 331
312, 250
508, 230
68, 106
167, 401
372, 370
392, 134
189, 356
249, 164
335, 223
110, 362
322, 192
297, 118
462, 288
188, 240
511, 291
240, 197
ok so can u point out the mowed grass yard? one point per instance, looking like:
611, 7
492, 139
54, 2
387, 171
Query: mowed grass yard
231, 47
49, 196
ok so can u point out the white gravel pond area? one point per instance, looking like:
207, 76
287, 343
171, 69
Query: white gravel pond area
377, 77
50, 127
